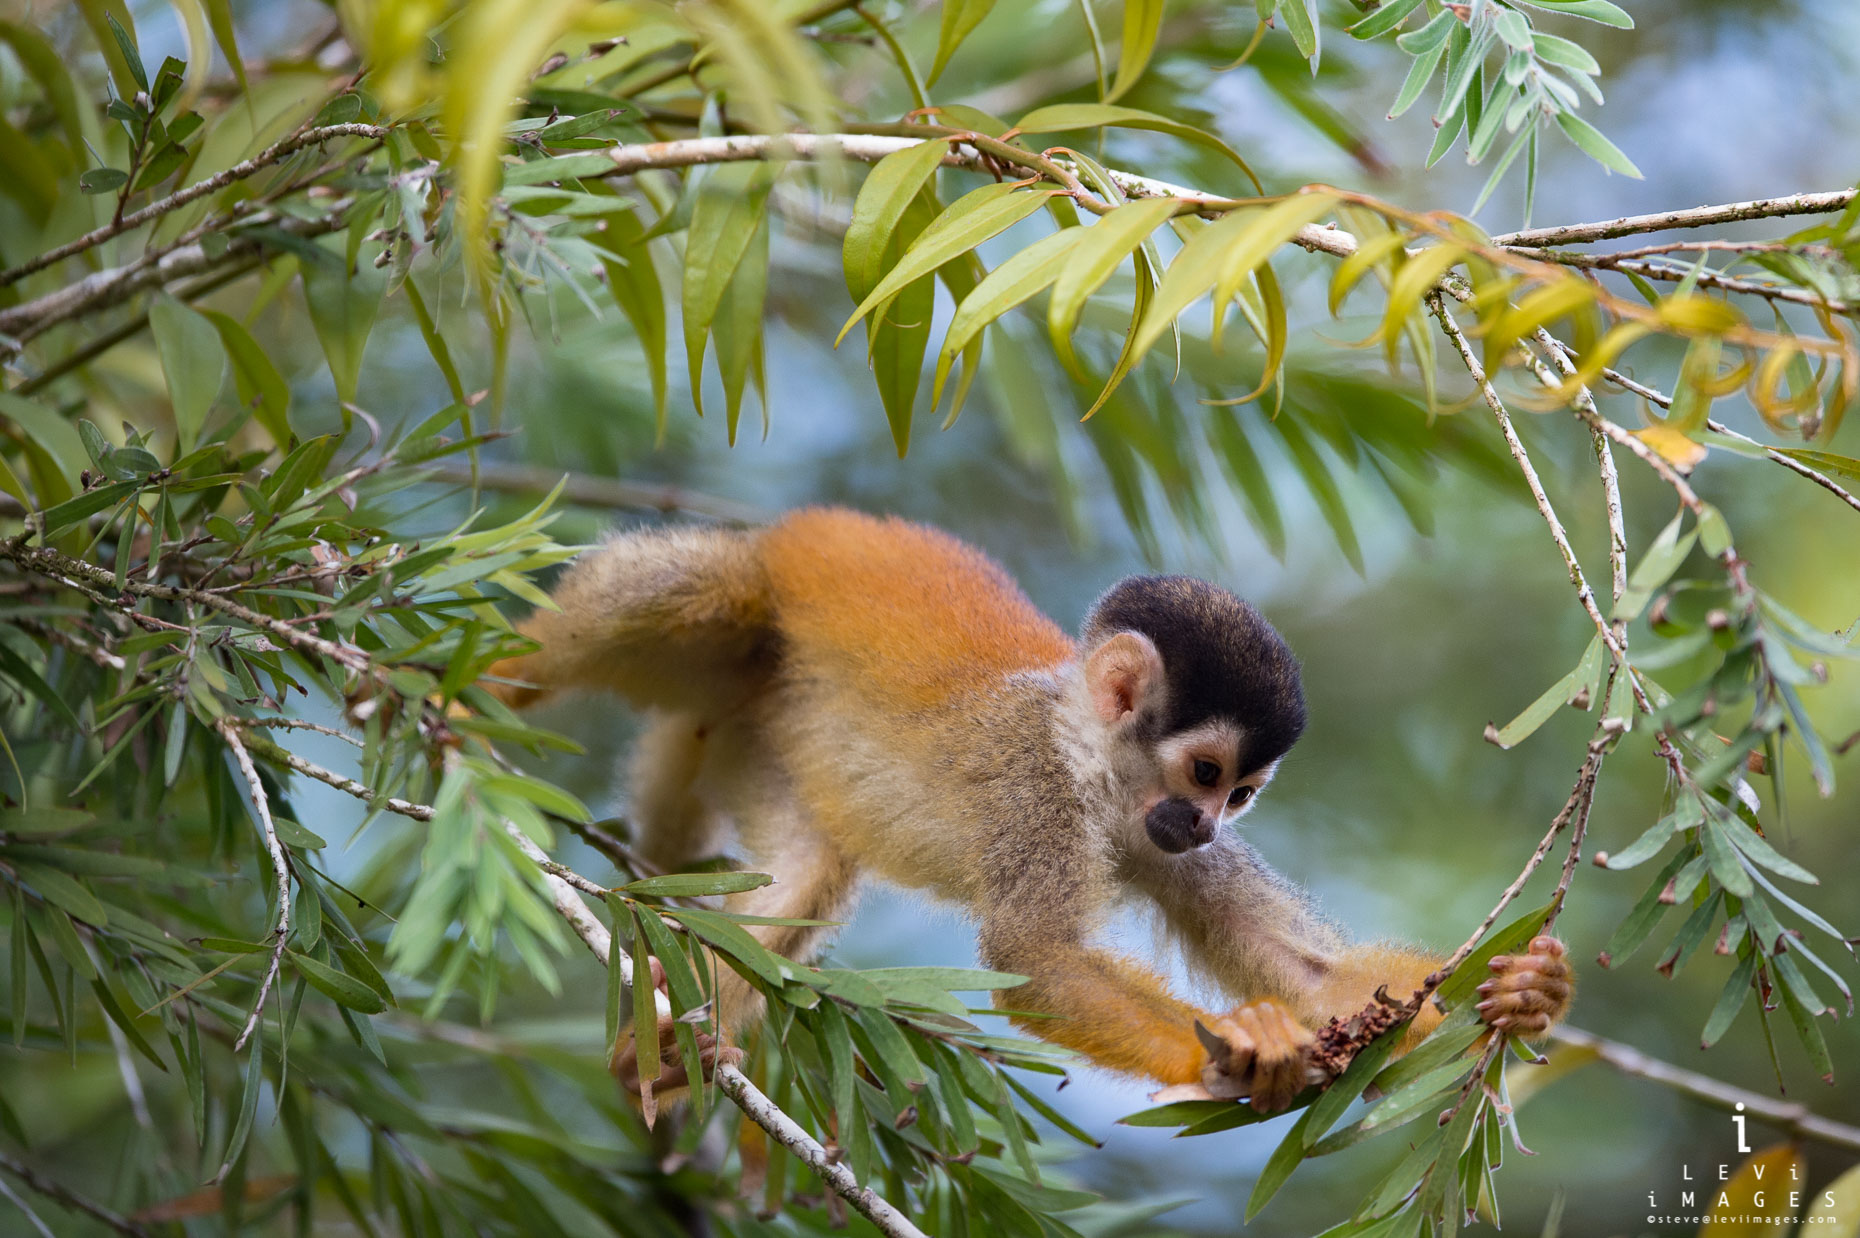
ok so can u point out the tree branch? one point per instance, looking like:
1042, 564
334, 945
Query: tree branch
41, 1185
1769, 453
100, 583
1676, 274
587, 490
279, 866
277, 152
1696, 217
32, 318
1795, 1119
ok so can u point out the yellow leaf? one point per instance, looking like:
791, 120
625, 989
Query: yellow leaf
1834, 1210
1678, 450
1699, 313
1755, 1203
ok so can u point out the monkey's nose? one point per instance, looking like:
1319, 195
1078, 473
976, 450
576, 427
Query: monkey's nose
1205, 829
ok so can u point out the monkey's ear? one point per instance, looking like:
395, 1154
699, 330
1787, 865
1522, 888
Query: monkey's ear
1121, 674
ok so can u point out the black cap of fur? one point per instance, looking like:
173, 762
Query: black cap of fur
1222, 659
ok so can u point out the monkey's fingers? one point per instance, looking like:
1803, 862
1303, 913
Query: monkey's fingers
1527, 993
1281, 1047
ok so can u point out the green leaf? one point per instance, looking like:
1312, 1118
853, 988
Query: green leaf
248, 1104
889, 189
343, 305
737, 330
1020, 277
696, 885
1592, 10
1225, 252
1142, 26
724, 225
1302, 26
1349, 1085
1663, 557
338, 986
730, 939
1554, 698
261, 388
959, 18
127, 46
1723, 860
1061, 117
102, 180
1736, 993
21, 672
1590, 141
1648, 845
967, 222
1388, 17
64, 891
192, 360
1291, 1149
1557, 51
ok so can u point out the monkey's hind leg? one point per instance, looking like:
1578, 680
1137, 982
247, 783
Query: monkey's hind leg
813, 881
675, 826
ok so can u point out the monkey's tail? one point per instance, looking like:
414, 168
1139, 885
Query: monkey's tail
676, 619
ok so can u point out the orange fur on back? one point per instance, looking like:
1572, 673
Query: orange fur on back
903, 612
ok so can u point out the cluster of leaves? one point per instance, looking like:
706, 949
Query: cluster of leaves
1535, 82
1445, 1178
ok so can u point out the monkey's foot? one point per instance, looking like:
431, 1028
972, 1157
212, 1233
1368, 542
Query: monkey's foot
672, 1074
1260, 1051
1527, 992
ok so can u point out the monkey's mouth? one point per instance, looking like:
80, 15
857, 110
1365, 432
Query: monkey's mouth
1175, 825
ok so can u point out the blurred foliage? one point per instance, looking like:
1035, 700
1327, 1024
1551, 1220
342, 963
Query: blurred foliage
220, 559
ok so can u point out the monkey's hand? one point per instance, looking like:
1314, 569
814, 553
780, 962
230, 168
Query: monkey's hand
1527, 992
1260, 1051
672, 1074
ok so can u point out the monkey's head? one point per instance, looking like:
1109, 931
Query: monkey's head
1195, 683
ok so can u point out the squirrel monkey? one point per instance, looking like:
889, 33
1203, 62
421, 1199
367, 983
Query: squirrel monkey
855, 694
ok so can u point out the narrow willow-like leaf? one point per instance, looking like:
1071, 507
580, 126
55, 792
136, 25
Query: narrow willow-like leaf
1060, 117
1291, 1149
959, 18
1142, 25
1015, 280
192, 360
1590, 141
1099, 251
967, 222
725, 222
889, 189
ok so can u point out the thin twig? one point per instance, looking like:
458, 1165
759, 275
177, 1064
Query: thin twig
1696, 217
1584, 594
47, 562
279, 865
275, 153
41, 1185
328, 777
300, 724
587, 490
787, 1132
1678, 274
1794, 1119
32, 1218
1656, 396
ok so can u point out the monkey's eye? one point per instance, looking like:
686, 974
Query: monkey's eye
1240, 796
1207, 773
